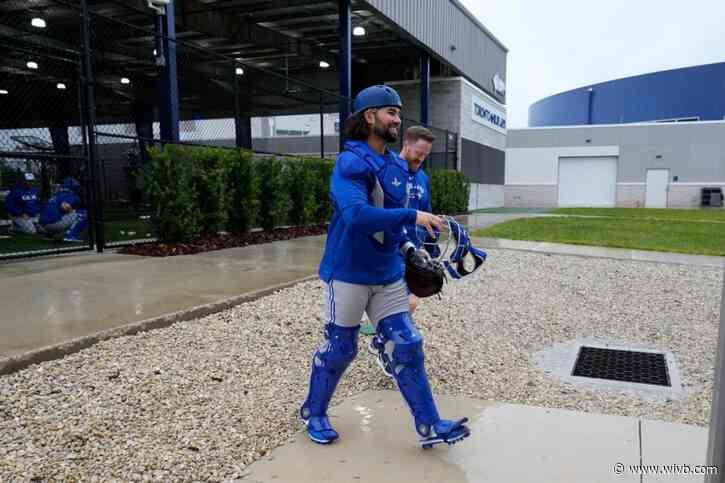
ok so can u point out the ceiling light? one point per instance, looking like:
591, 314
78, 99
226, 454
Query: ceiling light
125, 80
324, 64
60, 86
38, 22
32, 65
155, 53
239, 71
358, 31
3, 92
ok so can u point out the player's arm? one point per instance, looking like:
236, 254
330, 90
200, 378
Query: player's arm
349, 187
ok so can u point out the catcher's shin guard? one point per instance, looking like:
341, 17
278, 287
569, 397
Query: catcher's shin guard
404, 347
328, 365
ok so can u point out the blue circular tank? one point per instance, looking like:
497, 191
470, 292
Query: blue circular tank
696, 93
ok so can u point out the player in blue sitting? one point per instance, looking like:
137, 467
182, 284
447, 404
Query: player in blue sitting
362, 271
23, 204
61, 219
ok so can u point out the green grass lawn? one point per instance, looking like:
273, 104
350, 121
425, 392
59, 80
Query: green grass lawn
623, 228
115, 231
648, 213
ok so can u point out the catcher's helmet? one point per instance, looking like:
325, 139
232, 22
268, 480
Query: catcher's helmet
376, 96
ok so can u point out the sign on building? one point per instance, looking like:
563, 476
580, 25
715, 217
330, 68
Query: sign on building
485, 113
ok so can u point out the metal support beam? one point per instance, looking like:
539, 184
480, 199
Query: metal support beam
344, 65
169, 108
424, 86
322, 128
88, 98
716, 443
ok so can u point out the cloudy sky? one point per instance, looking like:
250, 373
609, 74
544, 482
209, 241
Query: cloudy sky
556, 45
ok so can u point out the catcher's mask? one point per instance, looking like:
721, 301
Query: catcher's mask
452, 247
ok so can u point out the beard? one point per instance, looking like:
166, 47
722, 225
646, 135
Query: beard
389, 134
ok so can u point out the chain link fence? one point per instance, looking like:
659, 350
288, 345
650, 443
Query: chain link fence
82, 95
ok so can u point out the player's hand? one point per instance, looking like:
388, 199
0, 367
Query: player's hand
429, 221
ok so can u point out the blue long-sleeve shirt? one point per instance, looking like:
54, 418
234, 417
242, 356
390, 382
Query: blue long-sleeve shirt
53, 211
369, 198
23, 201
418, 188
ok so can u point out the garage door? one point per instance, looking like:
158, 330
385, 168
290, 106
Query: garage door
590, 181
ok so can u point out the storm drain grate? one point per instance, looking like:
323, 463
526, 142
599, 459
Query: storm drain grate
622, 365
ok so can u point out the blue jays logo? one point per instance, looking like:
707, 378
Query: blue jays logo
396, 183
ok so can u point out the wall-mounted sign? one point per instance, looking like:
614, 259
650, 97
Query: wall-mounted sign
483, 112
499, 85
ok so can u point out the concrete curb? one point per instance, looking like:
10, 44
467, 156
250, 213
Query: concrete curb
12, 364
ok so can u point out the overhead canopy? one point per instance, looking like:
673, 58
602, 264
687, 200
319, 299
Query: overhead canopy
278, 44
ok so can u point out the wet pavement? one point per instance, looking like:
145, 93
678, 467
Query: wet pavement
508, 442
52, 300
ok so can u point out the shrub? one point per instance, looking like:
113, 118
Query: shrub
274, 200
242, 188
450, 191
209, 183
171, 191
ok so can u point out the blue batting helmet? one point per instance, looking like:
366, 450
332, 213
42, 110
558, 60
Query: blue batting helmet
71, 184
375, 96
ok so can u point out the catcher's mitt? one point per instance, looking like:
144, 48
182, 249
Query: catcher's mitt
425, 276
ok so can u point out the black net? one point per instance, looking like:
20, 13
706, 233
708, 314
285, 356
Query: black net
227, 97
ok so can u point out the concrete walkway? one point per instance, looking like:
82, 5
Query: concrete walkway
509, 443
49, 301
602, 252
77, 300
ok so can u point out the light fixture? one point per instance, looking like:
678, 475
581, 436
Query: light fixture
324, 64
60, 86
38, 22
358, 31
239, 71
155, 53
32, 65
125, 80
3, 92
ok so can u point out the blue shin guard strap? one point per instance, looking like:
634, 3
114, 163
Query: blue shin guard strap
328, 365
408, 368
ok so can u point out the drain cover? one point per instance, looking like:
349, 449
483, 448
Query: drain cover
622, 365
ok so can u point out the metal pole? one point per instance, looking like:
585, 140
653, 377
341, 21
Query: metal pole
237, 126
322, 130
344, 65
169, 80
424, 86
716, 442
96, 198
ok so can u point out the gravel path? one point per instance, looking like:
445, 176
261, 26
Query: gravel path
202, 399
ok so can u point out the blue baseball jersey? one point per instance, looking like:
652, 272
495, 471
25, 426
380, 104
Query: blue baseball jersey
418, 187
369, 196
23, 201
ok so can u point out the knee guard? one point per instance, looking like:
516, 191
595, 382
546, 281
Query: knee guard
328, 364
404, 351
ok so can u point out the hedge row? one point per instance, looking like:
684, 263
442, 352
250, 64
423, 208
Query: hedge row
200, 190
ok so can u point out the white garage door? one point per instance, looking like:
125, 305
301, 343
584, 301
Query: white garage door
590, 181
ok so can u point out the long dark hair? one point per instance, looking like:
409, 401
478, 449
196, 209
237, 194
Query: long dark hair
357, 127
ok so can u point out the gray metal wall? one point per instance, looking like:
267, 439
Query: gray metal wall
440, 24
694, 152
482, 164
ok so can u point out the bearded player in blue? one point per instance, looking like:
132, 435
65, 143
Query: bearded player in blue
361, 270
